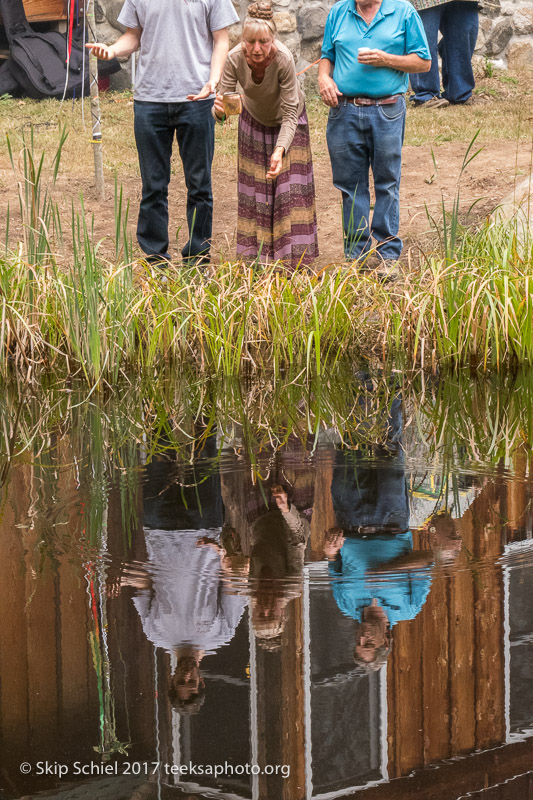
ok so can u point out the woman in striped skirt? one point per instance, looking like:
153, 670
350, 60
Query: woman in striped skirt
276, 212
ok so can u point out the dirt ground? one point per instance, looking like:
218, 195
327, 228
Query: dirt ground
430, 176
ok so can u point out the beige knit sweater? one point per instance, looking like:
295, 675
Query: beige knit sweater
277, 100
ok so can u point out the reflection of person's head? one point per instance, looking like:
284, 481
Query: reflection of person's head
268, 613
372, 638
443, 536
187, 687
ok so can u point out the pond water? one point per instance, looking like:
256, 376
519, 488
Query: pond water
200, 602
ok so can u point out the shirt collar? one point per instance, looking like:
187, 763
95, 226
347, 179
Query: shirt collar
387, 7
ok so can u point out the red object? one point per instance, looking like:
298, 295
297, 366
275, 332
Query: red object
103, 84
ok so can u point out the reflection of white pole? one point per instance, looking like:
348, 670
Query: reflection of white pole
254, 729
384, 723
307, 676
507, 654
96, 116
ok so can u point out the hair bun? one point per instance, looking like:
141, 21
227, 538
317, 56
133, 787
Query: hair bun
260, 10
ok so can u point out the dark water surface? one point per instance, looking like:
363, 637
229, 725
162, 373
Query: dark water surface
198, 603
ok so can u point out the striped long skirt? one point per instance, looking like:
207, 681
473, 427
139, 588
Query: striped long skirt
276, 218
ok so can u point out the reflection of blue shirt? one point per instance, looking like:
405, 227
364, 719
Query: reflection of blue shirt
395, 29
402, 594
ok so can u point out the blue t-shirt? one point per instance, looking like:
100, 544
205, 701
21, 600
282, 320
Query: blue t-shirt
396, 29
400, 593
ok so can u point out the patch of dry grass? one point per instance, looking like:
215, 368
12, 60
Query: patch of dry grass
501, 112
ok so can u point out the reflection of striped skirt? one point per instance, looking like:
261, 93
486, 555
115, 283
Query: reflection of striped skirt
276, 219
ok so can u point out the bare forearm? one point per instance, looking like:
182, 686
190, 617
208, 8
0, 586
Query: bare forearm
220, 53
416, 559
325, 69
128, 43
408, 63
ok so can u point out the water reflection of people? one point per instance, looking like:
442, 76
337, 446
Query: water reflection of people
278, 541
380, 579
182, 597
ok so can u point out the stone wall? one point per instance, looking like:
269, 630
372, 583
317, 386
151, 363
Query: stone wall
505, 34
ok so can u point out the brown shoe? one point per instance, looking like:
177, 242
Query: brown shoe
434, 102
389, 271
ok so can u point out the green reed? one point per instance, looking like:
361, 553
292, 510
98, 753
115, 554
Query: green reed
468, 304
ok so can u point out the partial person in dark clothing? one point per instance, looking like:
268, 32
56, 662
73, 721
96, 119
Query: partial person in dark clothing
458, 22
182, 49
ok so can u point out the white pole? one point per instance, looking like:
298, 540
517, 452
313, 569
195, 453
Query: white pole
96, 117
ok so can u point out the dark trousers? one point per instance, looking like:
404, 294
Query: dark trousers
194, 127
459, 23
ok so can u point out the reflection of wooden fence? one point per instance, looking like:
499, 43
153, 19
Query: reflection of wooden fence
48, 687
446, 669
445, 693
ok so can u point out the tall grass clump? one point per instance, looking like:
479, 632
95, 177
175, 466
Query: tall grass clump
473, 309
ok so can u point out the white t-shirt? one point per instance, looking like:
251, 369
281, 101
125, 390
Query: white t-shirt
188, 603
176, 44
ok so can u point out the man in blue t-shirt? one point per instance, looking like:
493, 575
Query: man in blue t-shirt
182, 50
378, 579
369, 48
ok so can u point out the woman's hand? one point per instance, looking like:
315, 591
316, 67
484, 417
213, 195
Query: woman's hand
276, 163
219, 107
102, 51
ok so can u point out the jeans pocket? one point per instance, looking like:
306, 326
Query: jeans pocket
334, 113
393, 111
336, 131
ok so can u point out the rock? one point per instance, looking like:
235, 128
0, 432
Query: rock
481, 39
492, 9
99, 14
499, 37
309, 78
292, 41
311, 50
312, 20
235, 34
107, 33
285, 22
112, 10
523, 21
520, 56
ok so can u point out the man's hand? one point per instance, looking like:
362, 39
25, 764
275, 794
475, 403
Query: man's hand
374, 58
102, 51
328, 91
276, 163
205, 92
408, 63
333, 543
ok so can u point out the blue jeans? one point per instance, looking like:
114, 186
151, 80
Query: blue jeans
361, 138
194, 127
369, 487
458, 22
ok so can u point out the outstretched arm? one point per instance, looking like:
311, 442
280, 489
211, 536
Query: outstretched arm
125, 45
218, 59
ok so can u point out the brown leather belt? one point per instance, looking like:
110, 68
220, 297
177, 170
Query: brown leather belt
371, 101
